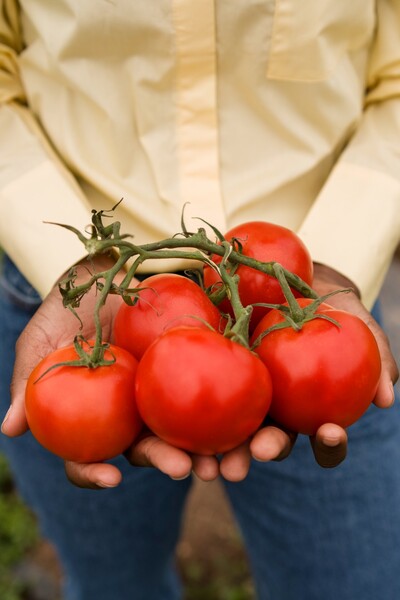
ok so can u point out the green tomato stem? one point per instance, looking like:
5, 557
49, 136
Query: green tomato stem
189, 247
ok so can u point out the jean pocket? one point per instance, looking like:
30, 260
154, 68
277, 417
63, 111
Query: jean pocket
309, 38
15, 288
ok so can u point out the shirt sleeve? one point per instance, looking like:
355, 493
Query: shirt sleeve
354, 224
34, 184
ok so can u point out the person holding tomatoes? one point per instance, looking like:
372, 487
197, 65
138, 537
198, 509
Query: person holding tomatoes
282, 112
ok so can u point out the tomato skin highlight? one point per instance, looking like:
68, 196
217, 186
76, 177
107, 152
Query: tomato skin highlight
321, 374
200, 391
171, 300
265, 242
83, 414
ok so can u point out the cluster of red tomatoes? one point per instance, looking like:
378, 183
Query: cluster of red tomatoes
176, 372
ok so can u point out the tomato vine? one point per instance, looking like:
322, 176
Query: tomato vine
189, 246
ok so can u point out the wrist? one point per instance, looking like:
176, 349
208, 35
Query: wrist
328, 280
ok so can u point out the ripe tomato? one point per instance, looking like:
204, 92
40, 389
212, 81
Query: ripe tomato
265, 242
200, 391
169, 300
322, 373
82, 414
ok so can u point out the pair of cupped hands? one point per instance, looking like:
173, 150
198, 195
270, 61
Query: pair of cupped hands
53, 326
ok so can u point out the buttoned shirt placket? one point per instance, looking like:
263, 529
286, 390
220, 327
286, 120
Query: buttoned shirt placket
197, 118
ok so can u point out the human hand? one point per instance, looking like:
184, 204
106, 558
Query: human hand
53, 327
330, 443
327, 280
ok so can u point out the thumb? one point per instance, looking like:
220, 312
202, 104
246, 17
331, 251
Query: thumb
31, 347
14, 422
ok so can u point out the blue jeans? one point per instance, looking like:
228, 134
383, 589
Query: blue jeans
310, 533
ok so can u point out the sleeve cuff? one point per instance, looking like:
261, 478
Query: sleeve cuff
42, 251
354, 226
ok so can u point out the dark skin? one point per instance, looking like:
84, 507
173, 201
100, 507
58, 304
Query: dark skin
52, 327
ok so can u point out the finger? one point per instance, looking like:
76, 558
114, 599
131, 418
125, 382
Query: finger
329, 445
205, 468
324, 282
385, 396
272, 443
235, 464
94, 476
153, 452
29, 351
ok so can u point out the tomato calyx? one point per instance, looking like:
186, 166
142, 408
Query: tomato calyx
88, 355
294, 315
94, 356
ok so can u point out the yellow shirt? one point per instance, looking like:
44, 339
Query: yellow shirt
280, 110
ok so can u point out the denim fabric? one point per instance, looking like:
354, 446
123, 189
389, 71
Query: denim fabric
310, 533
16, 288
333, 534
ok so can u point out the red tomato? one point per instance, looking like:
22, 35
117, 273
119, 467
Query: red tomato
266, 242
82, 414
321, 374
169, 300
200, 391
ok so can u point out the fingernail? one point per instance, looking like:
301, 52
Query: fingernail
392, 394
104, 484
181, 478
260, 460
331, 442
5, 418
